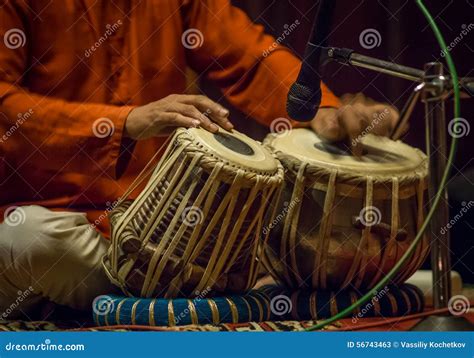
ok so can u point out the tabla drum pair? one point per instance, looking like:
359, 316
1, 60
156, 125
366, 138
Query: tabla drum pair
196, 227
216, 204
344, 221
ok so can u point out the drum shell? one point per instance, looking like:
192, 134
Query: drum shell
346, 259
190, 258
195, 269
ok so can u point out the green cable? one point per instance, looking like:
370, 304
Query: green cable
457, 110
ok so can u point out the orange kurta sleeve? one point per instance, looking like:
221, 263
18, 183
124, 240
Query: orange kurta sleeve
51, 133
253, 70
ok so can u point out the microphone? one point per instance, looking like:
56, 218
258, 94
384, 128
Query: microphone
304, 97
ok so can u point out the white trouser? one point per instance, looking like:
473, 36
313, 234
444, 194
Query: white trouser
53, 255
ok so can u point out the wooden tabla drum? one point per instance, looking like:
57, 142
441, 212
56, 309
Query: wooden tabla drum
345, 221
196, 226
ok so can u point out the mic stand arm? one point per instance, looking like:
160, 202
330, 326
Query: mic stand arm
347, 56
434, 88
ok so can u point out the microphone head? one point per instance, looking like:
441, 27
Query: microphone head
303, 102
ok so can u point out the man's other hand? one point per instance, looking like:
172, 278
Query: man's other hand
357, 116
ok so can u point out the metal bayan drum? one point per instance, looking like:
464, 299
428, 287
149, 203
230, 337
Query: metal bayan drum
344, 221
196, 226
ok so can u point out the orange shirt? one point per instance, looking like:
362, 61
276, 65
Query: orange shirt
64, 64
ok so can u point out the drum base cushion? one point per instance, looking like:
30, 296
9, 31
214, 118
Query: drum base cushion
270, 303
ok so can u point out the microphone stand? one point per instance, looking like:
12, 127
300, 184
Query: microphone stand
433, 88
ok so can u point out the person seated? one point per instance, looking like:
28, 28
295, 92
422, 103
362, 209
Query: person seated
89, 90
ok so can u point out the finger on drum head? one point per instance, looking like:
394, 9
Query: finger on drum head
179, 120
327, 126
222, 121
212, 110
204, 121
352, 125
382, 119
207, 124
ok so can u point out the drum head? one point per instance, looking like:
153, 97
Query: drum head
381, 156
236, 149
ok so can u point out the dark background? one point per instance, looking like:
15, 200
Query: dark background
406, 39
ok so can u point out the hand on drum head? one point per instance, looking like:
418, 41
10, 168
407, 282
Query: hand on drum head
357, 117
162, 117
